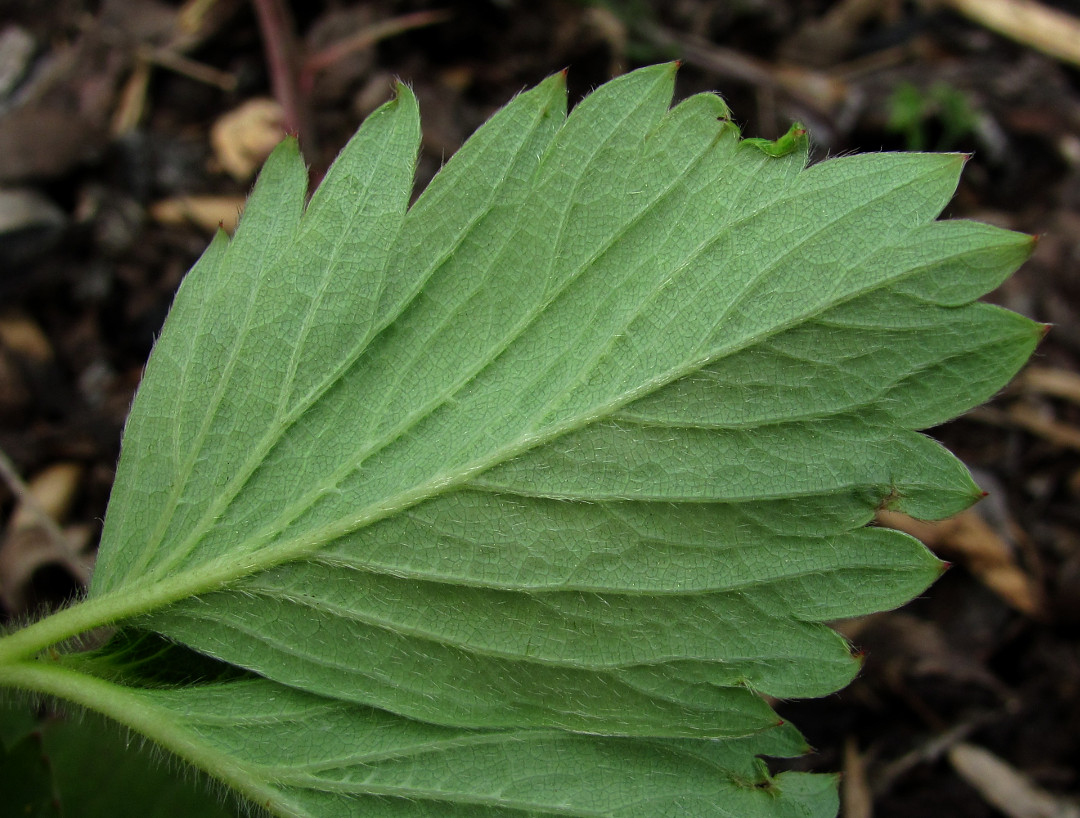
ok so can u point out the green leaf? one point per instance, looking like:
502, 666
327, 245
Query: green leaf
83, 767
370, 762
516, 499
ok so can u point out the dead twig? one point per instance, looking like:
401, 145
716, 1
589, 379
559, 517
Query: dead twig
188, 67
1030, 419
855, 793
929, 751
820, 91
1046, 29
29, 502
365, 38
32, 513
1044, 380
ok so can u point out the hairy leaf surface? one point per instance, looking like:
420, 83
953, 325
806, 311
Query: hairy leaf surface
373, 763
517, 498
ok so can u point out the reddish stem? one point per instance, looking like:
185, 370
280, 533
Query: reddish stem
283, 62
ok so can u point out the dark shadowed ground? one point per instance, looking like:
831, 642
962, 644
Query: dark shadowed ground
130, 129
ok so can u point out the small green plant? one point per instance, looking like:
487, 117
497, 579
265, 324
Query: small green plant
516, 500
913, 113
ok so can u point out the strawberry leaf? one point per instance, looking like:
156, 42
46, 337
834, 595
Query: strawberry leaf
516, 499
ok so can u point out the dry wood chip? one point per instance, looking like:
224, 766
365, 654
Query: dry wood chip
22, 335
244, 137
206, 212
968, 539
1041, 27
1004, 787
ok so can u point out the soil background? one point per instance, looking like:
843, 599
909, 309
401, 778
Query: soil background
130, 129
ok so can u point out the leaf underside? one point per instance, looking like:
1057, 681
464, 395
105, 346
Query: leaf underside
516, 499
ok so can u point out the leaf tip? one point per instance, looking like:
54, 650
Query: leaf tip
672, 69
1027, 244
221, 236
402, 93
559, 80
289, 145
553, 91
